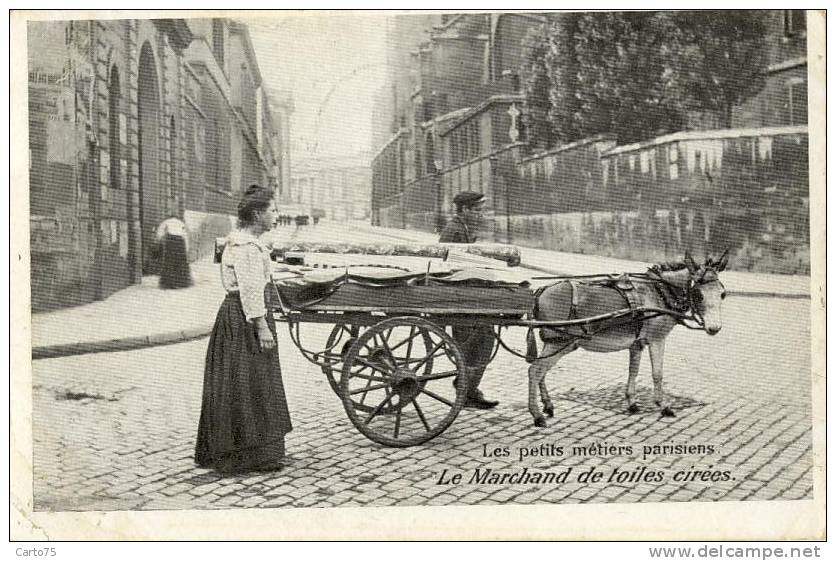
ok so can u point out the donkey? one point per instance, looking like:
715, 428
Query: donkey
682, 288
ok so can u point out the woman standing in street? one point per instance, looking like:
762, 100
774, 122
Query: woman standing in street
244, 417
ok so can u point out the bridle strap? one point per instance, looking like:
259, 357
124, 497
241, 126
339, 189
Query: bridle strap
686, 305
692, 304
695, 310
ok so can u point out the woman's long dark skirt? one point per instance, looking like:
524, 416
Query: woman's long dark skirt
175, 271
244, 416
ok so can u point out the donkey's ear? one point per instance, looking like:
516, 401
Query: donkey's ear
724, 260
689, 262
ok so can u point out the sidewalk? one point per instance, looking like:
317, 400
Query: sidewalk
144, 315
139, 316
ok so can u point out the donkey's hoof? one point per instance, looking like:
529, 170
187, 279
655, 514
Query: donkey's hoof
549, 410
668, 412
633, 408
539, 422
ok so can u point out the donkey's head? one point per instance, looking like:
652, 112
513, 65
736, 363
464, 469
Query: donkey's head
705, 292
697, 288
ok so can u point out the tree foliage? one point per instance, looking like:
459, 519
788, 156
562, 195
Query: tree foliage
562, 65
536, 84
638, 74
723, 59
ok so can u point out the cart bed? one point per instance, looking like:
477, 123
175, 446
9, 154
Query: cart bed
471, 300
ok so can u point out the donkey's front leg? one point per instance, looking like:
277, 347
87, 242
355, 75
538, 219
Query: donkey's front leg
657, 357
551, 352
635, 361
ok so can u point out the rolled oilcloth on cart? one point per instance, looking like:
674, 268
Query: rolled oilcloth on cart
510, 254
281, 249
506, 253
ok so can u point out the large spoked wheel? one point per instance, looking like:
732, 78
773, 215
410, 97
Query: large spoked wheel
340, 339
401, 383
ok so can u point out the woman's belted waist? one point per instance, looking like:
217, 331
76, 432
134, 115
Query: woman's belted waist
234, 294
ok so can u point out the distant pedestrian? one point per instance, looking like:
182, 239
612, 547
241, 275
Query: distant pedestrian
476, 343
173, 241
244, 417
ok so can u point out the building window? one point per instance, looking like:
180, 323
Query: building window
114, 132
199, 141
795, 21
475, 141
172, 156
218, 41
673, 158
218, 154
797, 102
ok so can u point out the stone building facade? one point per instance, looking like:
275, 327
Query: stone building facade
132, 121
457, 84
752, 196
457, 101
280, 107
783, 99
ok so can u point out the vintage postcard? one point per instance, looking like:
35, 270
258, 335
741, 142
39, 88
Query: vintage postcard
418, 275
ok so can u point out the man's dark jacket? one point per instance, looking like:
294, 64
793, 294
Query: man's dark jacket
456, 231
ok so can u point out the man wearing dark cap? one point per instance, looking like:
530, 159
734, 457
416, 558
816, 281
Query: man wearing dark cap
476, 343
462, 228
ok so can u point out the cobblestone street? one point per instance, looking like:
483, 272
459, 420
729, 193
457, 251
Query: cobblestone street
381, 191
116, 431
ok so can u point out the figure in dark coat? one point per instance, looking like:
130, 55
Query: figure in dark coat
174, 244
476, 343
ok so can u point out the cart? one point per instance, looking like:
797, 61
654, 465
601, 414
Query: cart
390, 356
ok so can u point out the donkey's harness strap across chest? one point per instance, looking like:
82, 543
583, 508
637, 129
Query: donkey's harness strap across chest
632, 294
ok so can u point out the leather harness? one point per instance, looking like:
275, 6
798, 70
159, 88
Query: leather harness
624, 285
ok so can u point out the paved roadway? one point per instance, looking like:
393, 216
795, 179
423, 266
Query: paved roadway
116, 431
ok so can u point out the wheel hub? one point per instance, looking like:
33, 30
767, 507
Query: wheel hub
405, 383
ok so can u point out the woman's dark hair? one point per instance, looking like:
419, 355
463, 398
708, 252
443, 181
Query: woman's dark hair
255, 199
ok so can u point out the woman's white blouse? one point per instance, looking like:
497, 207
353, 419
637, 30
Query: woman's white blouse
245, 268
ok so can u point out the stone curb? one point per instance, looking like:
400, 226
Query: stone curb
117, 345
744, 293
